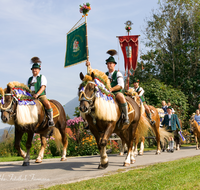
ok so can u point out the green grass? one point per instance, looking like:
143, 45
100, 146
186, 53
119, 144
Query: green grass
179, 174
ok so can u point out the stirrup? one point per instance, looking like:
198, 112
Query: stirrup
51, 123
152, 122
126, 122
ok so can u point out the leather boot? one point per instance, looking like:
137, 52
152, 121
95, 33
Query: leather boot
125, 110
50, 116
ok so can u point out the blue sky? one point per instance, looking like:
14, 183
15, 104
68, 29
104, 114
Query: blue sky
38, 28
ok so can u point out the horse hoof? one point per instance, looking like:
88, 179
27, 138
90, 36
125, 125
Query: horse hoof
121, 153
38, 161
140, 154
126, 164
25, 164
157, 153
103, 166
132, 161
63, 159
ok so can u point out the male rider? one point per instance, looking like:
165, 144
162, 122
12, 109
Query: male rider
37, 83
117, 83
140, 92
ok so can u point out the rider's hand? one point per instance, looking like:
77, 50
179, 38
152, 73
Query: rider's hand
35, 95
111, 89
87, 63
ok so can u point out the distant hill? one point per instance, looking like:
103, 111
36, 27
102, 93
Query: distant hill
69, 107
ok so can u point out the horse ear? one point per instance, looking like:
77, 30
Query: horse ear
8, 89
92, 75
81, 76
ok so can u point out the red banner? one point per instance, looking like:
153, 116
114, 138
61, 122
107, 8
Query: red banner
129, 45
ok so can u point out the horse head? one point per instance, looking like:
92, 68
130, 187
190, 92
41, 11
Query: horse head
86, 92
8, 106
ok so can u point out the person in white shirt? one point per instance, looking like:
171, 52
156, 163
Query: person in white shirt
117, 83
37, 84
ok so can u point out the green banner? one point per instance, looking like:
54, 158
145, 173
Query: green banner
76, 46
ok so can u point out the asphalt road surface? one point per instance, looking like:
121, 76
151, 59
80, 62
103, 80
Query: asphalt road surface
52, 171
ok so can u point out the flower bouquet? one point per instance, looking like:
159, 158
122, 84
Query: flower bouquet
128, 28
85, 8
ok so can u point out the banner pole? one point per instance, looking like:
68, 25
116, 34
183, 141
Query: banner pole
86, 43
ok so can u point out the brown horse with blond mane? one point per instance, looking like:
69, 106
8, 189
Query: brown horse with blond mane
31, 119
103, 115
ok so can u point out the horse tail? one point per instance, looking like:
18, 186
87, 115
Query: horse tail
58, 137
143, 126
164, 134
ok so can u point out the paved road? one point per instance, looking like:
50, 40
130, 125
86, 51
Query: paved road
52, 171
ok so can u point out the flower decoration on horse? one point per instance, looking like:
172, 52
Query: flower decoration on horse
85, 8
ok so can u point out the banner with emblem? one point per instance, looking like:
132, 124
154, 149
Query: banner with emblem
76, 50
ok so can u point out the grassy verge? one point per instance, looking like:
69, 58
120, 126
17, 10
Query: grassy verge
179, 174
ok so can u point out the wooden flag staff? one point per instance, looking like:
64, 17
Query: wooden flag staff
85, 8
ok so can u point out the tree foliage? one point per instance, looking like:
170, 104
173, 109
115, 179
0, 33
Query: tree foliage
173, 42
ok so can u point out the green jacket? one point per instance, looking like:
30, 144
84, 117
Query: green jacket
114, 81
37, 85
174, 122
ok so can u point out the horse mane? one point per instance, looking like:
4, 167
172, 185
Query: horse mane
16, 84
101, 76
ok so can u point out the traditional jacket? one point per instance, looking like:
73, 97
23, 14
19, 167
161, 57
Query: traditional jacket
140, 92
113, 80
174, 122
37, 84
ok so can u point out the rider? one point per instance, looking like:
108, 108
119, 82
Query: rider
140, 92
37, 83
117, 83
170, 121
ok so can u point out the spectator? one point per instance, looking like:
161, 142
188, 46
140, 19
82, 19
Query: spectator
197, 117
169, 104
164, 106
199, 107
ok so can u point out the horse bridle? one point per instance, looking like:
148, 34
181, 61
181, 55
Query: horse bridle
9, 108
90, 100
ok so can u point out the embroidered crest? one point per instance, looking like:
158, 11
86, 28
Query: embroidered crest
76, 45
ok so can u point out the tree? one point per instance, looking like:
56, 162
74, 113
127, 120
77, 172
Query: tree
76, 112
173, 43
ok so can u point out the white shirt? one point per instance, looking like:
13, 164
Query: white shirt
43, 81
169, 115
120, 79
141, 91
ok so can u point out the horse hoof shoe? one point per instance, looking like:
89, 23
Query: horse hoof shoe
38, 161
25, 164
132, 161
63, 159
103, 166
126, 164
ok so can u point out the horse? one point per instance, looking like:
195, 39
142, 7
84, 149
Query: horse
102, 112
160, 133
195, 128
31, 119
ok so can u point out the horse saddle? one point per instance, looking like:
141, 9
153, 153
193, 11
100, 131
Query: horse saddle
55, 109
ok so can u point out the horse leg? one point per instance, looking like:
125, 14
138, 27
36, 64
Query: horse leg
121, 153
65, 144
157, 138
130, 155
28, 147
103, 143
142, 146
18, 137
196, 142
42, 149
